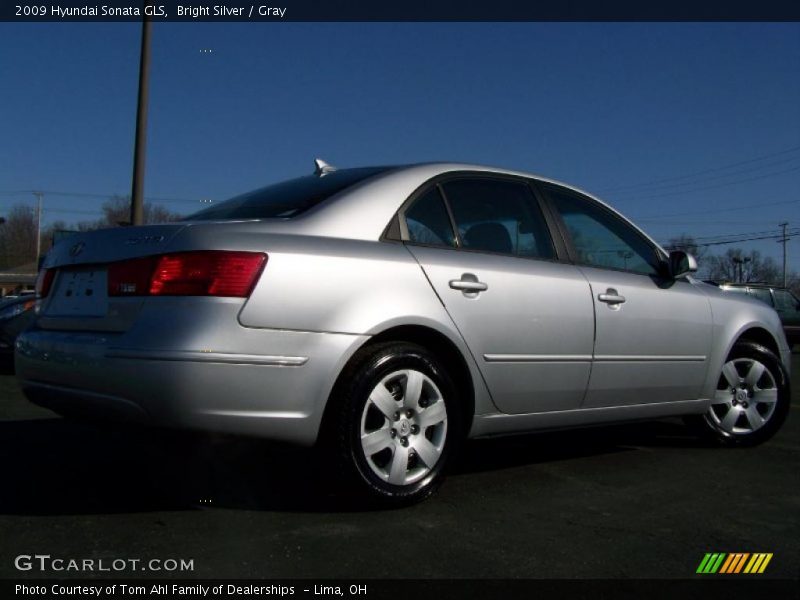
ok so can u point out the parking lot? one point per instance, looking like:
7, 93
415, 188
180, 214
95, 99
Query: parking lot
639, 501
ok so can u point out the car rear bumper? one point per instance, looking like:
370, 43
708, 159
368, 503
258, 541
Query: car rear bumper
279, 394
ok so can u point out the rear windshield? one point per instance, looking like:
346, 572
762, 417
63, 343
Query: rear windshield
286, 199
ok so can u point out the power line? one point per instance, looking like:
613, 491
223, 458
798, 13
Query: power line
703, 172
713, 187
728, 235
749, 239
718, 210
96, 195
665, 186
657, 221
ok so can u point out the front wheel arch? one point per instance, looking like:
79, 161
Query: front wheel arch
735, 394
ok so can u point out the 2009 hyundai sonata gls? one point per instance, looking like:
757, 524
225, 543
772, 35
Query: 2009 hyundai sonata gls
390, 313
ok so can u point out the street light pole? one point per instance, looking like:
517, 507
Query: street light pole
137, 190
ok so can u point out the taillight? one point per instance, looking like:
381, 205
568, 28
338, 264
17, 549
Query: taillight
131, 277
203, 273
44, 281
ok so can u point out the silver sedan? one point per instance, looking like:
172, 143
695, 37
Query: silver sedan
387, 314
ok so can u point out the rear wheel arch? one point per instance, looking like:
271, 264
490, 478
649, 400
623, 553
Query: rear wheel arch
435, 342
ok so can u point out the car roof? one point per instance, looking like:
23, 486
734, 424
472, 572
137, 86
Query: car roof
373, 202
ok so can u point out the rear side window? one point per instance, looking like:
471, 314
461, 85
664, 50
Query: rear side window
785, 301
428, 222
494, 215
286, 199
761, 294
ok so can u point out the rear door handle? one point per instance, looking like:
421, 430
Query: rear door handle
468, 283
611, 297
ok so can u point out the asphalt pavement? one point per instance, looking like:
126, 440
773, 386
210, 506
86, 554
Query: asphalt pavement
645, 500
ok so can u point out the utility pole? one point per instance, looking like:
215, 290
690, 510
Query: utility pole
39, 196
137, 190
783, 240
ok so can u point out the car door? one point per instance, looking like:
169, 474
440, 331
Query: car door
527, 318
653, 333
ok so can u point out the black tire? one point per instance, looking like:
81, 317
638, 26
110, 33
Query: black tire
350, 417
740, 430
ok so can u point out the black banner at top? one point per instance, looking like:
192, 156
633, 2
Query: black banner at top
400, 10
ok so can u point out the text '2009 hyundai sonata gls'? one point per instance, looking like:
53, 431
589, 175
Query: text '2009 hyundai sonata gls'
390, 313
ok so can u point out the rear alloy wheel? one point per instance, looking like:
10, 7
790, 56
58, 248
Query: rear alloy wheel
399, 424
404, 427
752, 397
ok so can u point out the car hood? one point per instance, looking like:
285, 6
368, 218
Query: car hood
727, 306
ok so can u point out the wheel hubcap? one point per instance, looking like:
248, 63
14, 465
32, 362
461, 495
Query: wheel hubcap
745, 399
403, 427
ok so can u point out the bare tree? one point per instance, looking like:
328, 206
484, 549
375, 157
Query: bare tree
687, 243
116, 212
739, 266
18, 237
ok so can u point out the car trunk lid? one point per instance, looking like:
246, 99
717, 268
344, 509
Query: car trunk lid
78, 297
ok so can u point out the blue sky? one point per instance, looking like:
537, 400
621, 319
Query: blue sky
602, 106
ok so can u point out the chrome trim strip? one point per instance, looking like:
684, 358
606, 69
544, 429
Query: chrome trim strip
648, 358
255, 414
537, 357
210, 357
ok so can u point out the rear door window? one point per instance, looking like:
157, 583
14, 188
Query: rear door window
499, 216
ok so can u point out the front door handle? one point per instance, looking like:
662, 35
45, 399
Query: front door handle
468, 284
611, 297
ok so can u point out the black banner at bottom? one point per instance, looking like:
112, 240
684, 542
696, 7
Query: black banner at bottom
708, 588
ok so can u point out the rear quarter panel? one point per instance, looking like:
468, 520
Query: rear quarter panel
332, 285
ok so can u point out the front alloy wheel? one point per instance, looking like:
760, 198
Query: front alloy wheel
751, 401
746, 397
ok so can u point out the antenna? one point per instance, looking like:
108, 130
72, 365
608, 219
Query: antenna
322, 168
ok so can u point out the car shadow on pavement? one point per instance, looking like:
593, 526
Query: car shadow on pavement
547, 447
60, 466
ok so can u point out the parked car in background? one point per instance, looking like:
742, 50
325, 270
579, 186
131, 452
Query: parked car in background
388, 313
15, 315
782, 300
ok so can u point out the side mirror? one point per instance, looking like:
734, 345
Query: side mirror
681, 263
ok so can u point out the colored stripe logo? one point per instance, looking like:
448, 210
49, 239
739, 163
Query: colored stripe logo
734, 563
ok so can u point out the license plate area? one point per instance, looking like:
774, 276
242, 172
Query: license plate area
81, 292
